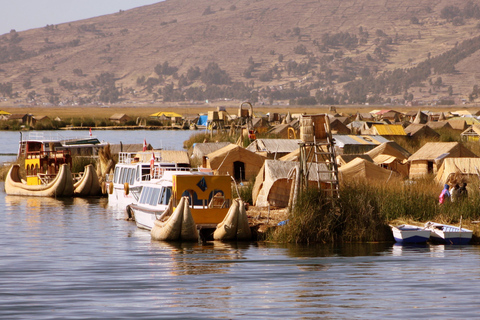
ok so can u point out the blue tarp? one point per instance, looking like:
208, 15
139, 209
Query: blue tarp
202, 120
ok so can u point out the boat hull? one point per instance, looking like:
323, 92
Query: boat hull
89, 184
447, 234
410, 234
61, 186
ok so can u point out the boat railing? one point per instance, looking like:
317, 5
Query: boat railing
47, 154
46, 178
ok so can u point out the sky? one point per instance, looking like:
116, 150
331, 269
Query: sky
29, 14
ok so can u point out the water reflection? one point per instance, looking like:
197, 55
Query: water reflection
191, 258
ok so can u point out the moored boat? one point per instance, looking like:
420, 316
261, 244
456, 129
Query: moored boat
132, 172
60, 186
209, 198
88, 184
448, 234
406, 233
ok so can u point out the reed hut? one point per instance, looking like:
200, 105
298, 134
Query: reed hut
361, 169
274, 181
120, 118
439, 125
472, 133
343, 159
356, 144
199, 150
391, 156
386, 130
418, 131
273, 148
235, 161
458, 170
429, 158
338, 127
280, 130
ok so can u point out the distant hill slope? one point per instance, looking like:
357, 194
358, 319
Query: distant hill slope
326, 51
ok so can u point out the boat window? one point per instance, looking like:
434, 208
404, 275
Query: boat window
132, 177
145, 172
193, 198
216, 199
116, 175
128, 176
123, 175
154, 198
147, 192
143, 195
165, 195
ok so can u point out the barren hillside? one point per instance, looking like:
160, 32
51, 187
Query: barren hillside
264, 50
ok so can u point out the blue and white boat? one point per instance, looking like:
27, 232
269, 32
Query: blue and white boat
407, 233
447, 234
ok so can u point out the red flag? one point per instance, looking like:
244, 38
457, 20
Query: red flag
90, 132
144, 145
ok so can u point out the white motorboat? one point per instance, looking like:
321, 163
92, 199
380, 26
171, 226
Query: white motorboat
209, 198
448, 234
407, 233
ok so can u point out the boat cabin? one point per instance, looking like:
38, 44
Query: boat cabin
209, 196
42, 164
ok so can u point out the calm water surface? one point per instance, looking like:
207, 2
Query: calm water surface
78, 259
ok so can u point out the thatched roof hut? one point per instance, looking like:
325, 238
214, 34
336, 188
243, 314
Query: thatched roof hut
472, 133
365, 170
391, 156
458, 170
274, 181
170, 156
236, 161
437, 125
274, 148
430, 157
200, 150
343, 159
417, 131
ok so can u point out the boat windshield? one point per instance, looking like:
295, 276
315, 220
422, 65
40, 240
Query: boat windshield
165, 195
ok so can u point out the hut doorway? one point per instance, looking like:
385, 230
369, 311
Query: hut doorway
239, 170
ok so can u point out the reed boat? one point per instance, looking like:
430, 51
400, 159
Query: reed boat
178, 226
88, 184
209, 198
448, 234
60, 186
406, 233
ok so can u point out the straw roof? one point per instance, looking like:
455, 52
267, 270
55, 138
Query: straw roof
420, 130
170, 156
455, 170
436, 125
129, 147
4, 112
274, 145
343, 159
458, 124
202, 149
473, 130
223, 160
390, 148
363, 169
433, 150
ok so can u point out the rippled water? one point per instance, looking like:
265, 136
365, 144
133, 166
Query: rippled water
78, 259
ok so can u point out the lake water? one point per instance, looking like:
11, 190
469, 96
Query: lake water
159, 139
79, 259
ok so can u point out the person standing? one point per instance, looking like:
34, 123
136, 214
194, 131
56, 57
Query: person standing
455, 193
445, 194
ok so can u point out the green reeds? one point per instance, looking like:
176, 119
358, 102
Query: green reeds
364, 210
